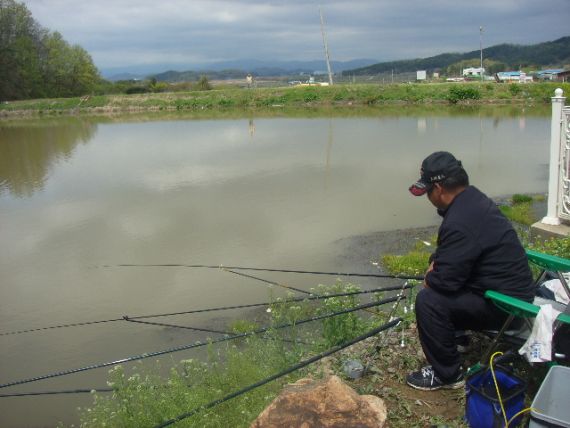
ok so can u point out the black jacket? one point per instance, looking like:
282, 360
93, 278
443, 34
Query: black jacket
478, 250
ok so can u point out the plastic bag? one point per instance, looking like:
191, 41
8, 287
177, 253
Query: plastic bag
558, 290
538, 347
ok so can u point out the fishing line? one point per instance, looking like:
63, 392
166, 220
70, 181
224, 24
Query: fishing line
126, 318
196, 311
280, 285
392, 312
193, 345
77, 324
371, 275
382, 338
280, 374
199, 329
159, 324
266, 281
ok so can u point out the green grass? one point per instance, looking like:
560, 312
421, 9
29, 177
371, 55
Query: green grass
521, 199
414, 262
463, 93
520, 210
339, 329
302, 97
520, 213
554, 246
143, 397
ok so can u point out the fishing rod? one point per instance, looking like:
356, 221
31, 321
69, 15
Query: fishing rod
194, 345
69, 391
195, 311
222, 267
282, 373
91, 390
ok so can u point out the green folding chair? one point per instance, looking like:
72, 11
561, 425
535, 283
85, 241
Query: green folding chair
517, 308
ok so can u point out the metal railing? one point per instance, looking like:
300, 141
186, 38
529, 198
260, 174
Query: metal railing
564, 186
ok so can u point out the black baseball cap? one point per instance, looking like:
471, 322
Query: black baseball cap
435, 168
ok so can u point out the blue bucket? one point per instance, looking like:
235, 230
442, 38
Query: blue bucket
482, 407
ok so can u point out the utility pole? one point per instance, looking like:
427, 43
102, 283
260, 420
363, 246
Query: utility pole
481, 49
326, 47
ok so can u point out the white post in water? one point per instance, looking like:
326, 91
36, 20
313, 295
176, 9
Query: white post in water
554, 175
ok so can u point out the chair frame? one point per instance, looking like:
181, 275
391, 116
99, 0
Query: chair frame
517, 308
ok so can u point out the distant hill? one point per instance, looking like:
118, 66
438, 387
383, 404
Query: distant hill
287, 67
230, 69
238, 69
548, 54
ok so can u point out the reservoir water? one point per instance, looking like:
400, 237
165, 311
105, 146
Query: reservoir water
80, 195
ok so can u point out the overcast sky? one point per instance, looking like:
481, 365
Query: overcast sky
122, 33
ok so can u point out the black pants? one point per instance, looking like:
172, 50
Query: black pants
440, 315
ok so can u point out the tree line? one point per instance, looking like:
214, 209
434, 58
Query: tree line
38, 63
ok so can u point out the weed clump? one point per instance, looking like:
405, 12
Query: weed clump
413, 263
463, 93
520, 210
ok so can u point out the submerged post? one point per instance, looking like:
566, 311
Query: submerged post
555, 149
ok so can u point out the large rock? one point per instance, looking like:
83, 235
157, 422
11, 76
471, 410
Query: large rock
328, 403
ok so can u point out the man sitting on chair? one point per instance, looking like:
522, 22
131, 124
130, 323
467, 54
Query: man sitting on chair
477, 250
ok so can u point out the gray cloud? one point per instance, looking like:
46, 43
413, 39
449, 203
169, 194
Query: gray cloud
122, 33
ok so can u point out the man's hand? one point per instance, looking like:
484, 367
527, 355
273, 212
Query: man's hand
429, 269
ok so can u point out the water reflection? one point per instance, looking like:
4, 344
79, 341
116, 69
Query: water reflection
30, 152
328, 154
422, 125
251, 128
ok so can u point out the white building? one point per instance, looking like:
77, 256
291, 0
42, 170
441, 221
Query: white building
473, 72
513, 76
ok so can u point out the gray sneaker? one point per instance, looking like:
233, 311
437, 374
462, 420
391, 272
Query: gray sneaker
426, 380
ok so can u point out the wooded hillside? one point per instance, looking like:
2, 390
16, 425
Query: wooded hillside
555, 54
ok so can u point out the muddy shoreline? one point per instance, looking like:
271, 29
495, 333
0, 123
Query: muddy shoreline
358, 253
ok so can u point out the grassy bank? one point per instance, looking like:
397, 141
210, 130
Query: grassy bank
142, 396
295, 97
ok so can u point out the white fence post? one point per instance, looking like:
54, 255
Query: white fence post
555, 149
